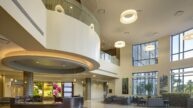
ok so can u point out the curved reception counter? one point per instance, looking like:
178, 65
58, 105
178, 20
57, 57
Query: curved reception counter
72, 102
40, 105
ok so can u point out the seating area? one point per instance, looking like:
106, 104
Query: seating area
96, 53
117, 100
4, 100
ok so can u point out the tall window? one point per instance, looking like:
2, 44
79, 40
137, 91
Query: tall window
140, 80
142, 56
68, 89
180, 48
182, 80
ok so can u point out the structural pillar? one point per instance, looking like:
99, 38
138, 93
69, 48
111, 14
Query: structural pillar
88, 88
28, 83
1, 86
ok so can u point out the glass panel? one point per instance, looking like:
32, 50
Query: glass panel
67, 89
181, 42
153, 61
182, 49
182, 80
67, 94
188, 54
140, 80
175, 57
142, 57
175, 44
68, 84
188, 45
188, 69
144, 54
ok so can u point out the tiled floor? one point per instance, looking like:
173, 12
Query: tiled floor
97, 104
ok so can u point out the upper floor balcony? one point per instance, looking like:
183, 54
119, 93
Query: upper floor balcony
106, 57
75, 10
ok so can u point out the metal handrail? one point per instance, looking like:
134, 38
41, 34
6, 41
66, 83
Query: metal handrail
75, 10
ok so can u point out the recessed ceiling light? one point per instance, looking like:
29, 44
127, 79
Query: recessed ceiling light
128, 16
155, 33
188, 36
82, 82
138, 11
126, 33
179, 13
11, 79
101, 11
71, 7
74, 80
25, 82
149, 48
119, 44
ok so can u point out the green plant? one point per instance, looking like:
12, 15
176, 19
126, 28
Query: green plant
149, 88
177, 99
189, 87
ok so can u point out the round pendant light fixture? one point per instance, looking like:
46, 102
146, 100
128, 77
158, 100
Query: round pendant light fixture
188, 36
59, 8
128, 16
149, 48
119, 44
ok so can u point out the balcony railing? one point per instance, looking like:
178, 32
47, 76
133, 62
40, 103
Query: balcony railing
74, 9
106, 57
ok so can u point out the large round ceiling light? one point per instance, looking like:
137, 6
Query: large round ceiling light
128, 16
59, 8
188, 36
119, 44
149, 48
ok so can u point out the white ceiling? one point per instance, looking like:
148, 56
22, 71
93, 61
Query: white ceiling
155, 19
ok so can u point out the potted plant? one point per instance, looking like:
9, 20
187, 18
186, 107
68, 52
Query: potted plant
149, 88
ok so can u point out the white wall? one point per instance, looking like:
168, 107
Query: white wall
35, 9
163, 67
68, 34
111, 85
97, 92
78, 89
10, 90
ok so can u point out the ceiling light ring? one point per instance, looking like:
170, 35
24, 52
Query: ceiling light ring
150, 47
128, 20
188, 36
119, 44
59, 9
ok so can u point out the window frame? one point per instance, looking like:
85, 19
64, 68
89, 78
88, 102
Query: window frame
183, 46
146, 79
180, 74
149, 58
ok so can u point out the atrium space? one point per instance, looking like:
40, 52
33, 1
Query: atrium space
96, 53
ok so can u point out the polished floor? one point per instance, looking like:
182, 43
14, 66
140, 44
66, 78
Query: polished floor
98, 104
